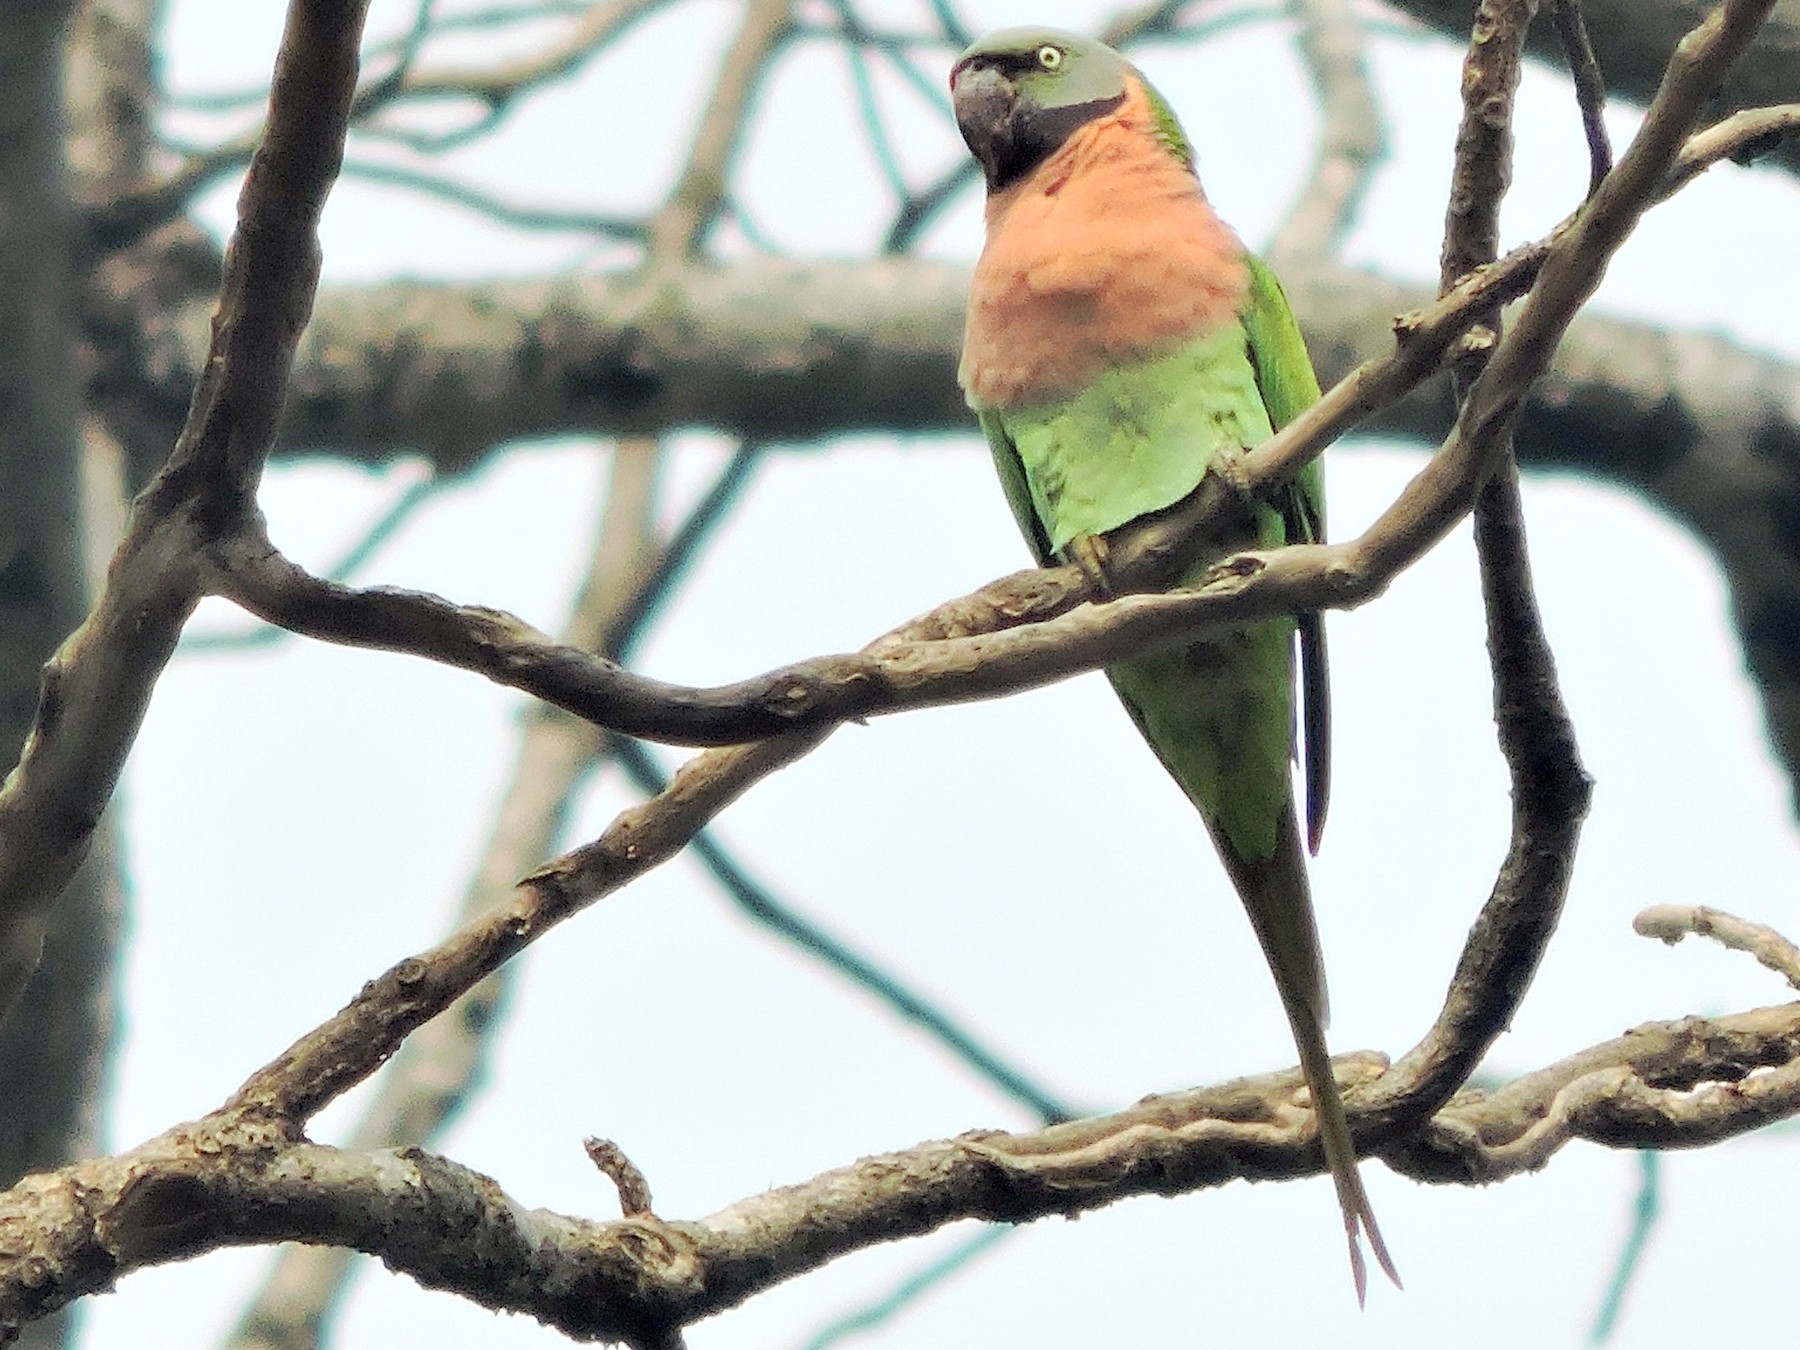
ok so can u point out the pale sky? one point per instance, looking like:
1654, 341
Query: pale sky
302, 816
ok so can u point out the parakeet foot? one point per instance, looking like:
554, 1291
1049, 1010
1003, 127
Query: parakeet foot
1091, 553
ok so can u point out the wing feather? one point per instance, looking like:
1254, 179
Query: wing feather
1285, 376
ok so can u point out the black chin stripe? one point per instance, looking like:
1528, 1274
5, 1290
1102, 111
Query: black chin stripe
1034, 134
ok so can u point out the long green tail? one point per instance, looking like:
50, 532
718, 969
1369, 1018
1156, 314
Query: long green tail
1220, 716
1278, 899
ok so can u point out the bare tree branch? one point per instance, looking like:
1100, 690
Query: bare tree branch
680, 226
629, 571
122, 219
246, 1173
1590, 87
516, 216
350, 1046
756, 901
1550, 790
98, 685
1303, 578
434, 1074
1632, 42
505, 649
235, 1178
1671, 923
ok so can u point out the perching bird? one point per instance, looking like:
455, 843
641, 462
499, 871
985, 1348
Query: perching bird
1118, 338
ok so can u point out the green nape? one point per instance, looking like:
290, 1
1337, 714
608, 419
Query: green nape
1167, 126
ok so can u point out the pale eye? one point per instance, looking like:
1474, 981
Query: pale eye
1049, 57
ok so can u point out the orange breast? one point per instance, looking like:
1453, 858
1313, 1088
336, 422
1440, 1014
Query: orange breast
1107, 253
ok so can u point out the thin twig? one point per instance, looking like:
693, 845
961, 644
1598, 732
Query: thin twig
678, 553
401, 510
1741, 138
955, 32
1590, 87
1671, 923
634, 1190
127, 218
518, 217
406, 53
868, 107
465, 21
909, 1290
1645, 1211
921, 208
834, 954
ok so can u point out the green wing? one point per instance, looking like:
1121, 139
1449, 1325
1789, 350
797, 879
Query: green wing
1013, 484
1284, 373
1140, 439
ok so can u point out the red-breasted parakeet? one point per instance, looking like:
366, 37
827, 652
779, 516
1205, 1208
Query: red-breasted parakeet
1118, 337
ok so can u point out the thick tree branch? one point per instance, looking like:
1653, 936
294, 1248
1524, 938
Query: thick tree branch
838, 688
1549, 789
794, 351
434, 1074
245, 1172
98, 685
235, 1178
951, 665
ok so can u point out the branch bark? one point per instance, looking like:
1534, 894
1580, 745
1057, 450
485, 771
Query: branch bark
349, 1047
436, 1070
1550, 790
236, 1178
96, 688
1705, 429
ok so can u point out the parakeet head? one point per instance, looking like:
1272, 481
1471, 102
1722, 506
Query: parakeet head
1020, 93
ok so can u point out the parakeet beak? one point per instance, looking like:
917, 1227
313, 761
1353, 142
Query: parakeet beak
985, 100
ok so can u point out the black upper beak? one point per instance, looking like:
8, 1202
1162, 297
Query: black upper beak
984, 99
